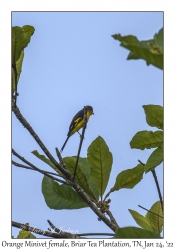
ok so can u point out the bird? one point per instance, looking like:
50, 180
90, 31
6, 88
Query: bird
77, 123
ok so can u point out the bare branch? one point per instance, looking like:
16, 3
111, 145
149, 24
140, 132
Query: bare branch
157, 184
35, 168
111, 217
93, 234
66, 234
60, 158
150, 211
37, 139
158, 187
82, 234
57, 232
27, 167
61, 235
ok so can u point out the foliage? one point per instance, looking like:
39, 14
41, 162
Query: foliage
149, 139
151, 50
152, 221
20, 39
135, 233
93, 172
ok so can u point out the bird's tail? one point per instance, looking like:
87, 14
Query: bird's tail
65, 143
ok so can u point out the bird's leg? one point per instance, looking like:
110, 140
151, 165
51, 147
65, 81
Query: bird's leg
80, 134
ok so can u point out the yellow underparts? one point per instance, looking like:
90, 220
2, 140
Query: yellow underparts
79, 123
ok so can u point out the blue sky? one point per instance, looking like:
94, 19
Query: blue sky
73, 61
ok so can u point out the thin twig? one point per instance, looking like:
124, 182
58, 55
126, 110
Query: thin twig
60, 158
30, 168
94, 234
34, 167
158, 187
141, 163
82, 234
60, 231
157, 184
40, 143
111, 217
150, 211
81, 140
106, 196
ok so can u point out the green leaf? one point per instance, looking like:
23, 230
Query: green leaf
147, 139
158, 38
81, 178
60, 196
154, 219
141, 220
18, 69
128, 178
87, 172
154, 115
46, 160
99, 159
135, 233
23, 234
20, 39
29, 30
147, 50
154, 160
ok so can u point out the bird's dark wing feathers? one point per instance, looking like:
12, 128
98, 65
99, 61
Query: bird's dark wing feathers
76, 119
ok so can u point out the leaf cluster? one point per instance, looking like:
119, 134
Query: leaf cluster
150, 50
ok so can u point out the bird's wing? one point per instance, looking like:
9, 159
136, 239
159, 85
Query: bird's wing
76, 120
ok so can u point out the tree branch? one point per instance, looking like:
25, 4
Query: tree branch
32, 167
82, 234
37, 139
63, 170
61, 234
57, 232
158, 187
150, 211
111, 217
157, 184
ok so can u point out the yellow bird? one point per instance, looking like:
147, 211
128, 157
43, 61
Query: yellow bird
77, 123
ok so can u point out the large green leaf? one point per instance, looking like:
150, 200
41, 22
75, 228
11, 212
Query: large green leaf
150, 50
99, 159
154, 115
20, 39
135, 233
147, 139
87, 172
141, 220
154, 219
60, 196
46, 160
82, 176
154, 160
128, 178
